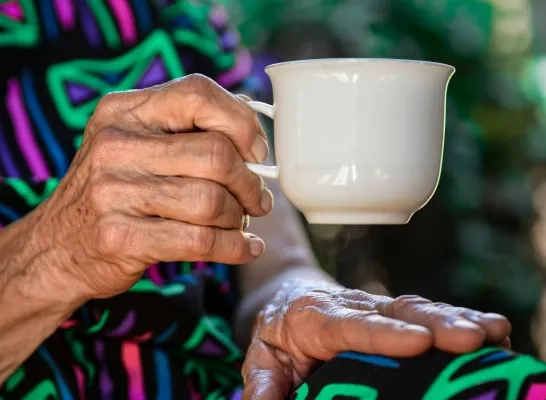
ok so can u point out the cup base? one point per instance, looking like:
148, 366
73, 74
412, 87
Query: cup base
357, 218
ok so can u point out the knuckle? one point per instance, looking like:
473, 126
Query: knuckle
410, 299
237, 248
256, 187
197, 89
404, 302
198, 82
293, 315
111, 236
218, 153
106, 145
106, 104
209, 200
445, 305
298, 311
100, 191
201, 241
315, 297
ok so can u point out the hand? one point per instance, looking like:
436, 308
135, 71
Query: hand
160, 176
303, 326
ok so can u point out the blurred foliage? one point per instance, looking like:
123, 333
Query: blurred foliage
471, 244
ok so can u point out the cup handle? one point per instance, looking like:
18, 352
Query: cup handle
271, 172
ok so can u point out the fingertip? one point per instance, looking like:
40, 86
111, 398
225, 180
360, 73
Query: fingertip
497, 324
419, 340
256, 245
268, 200
459, 336
403, 340
260, 148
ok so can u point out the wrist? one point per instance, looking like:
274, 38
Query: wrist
31, 270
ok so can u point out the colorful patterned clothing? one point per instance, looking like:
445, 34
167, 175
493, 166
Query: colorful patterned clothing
487, 374
169, 337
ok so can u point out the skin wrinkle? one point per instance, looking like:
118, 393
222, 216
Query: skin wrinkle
91, 247
311, 318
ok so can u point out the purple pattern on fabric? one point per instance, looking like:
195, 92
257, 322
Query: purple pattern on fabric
491, 395
230, 40
89, 25
155, 74
126, 325
79, 94
105, 382
210, 348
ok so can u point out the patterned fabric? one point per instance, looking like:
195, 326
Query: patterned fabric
169, 336
488, 374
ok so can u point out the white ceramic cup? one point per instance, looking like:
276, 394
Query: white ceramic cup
357, 141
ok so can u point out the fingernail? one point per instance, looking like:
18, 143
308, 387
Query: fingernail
492, 316
256, 245
417, 329
260, 149
464, 324
267, 200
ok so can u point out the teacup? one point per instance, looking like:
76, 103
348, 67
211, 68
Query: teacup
357, 141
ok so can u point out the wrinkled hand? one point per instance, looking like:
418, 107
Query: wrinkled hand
304, 326
160, 176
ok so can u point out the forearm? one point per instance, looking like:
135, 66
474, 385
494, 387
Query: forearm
288, 257
30, 310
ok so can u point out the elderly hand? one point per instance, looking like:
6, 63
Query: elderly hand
160, 176
304, 325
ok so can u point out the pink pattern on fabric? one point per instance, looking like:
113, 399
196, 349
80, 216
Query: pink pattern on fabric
126, 21
80, 380
23, 131
130, 353
13, 10
537, 391
65, 13
242, 68
155, 276
69, 323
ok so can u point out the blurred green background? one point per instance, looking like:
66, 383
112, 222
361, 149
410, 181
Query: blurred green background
479, 243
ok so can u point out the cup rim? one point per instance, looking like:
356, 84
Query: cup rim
356, 61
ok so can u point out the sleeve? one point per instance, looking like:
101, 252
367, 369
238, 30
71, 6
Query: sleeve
209, 44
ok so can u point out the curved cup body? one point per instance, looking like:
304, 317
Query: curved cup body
359, 141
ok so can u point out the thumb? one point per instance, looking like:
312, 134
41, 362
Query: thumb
265, 377
266, 385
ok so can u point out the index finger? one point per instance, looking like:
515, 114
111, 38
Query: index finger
323, 335
196, 102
